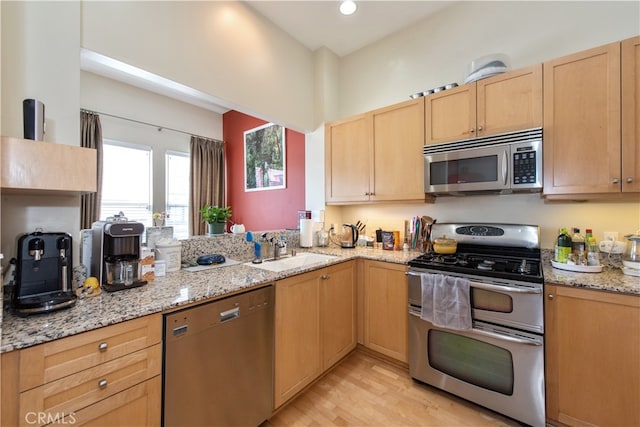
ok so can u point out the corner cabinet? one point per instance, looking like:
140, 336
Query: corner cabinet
37, 167
109, 376
590, 99
376, 156
592, 357
385, 309
315, 326
502, 103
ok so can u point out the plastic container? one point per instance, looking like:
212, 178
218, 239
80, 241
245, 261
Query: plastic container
578, 247
160, 268
563, 246
170, 252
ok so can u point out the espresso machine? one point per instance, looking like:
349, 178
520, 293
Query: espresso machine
116, 253
44, 273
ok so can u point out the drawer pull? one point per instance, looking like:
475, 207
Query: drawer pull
103, 346
102, 384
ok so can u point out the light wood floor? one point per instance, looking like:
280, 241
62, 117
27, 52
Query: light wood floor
366, 391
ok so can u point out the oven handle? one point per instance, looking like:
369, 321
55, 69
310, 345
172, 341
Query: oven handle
490, 287
506, 337
415, 313
505, 157
503, 288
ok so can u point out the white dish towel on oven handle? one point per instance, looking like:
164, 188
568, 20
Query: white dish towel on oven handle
446, 301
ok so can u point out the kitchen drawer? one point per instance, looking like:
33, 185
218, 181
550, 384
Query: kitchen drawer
51, 361
74, 392
137, 406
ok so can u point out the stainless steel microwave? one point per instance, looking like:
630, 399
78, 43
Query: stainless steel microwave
504, 163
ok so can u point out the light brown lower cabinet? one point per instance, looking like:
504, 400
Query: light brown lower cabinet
315, 326
385, 309
592, 357
97, 377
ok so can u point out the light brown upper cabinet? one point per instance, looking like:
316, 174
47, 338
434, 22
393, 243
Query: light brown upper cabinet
347, 156
502, 103
19, 175
376, 156
397, 167
631, 115
583, 121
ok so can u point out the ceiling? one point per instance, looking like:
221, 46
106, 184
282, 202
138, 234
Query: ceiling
319, 23
313, 23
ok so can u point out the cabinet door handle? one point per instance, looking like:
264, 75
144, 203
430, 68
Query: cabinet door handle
616, 180
103, 346
479, 128
324, 277
472, 130
550, 296
102, 384
629, 179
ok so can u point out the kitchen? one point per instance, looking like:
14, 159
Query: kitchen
355, 96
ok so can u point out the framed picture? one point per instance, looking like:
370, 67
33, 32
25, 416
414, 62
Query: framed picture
264, 158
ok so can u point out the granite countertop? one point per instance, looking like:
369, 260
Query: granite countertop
167, 293
611, 278
182, 288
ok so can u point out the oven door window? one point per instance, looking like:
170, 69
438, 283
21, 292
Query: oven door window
470, 360
497, 302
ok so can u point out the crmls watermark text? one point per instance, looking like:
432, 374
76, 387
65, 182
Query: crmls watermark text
41, 418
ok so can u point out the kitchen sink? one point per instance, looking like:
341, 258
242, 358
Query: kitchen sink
305, 259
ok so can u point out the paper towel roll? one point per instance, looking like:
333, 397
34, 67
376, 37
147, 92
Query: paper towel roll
306, 233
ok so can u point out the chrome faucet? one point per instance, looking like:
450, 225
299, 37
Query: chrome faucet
277, 244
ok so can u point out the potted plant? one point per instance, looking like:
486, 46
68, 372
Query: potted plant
216, 217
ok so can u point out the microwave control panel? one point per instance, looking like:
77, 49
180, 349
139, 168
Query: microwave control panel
527, 164
524, 168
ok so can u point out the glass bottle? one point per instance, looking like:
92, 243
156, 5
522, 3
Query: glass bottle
592, 252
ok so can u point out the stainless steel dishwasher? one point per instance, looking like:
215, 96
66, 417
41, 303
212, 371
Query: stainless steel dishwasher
218, 362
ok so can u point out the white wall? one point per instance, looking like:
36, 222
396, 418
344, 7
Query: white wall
220, 48
436, 51
41, 59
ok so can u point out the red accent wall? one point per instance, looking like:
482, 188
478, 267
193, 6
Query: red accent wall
268, 209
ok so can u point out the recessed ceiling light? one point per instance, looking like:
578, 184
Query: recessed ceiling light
347, 7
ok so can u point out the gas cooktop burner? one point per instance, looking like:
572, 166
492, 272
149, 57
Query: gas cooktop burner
527, 269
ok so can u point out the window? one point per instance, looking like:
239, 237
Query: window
177, 193
126, 181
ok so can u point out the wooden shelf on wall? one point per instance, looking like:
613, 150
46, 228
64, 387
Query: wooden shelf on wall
36, 167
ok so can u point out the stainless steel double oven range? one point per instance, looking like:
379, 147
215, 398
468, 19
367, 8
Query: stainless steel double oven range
499, 362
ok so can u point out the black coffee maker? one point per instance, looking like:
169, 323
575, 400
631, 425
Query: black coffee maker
44, 273
116, 253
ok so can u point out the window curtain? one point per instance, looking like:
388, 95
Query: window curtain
91, 137
207, 181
